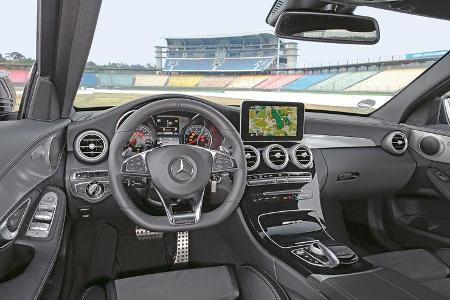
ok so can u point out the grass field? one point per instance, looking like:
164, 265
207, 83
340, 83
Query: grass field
108, 99
111, 99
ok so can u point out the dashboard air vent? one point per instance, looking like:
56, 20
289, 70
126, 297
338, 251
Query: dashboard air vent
399, 142
252, 157
395, 142
276, 156
91, 146
301, 156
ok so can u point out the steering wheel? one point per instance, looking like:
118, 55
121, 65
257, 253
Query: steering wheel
178, 173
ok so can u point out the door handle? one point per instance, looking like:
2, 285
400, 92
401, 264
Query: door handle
348, 176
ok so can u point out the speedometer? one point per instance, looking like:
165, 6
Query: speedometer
198, 135
142, 139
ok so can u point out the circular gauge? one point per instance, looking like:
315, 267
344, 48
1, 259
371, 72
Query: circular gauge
198, 135
141, 139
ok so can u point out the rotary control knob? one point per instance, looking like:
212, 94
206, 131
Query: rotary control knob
95, 189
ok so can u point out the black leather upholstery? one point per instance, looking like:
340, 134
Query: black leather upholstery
247, 283
429, 268
418, 264
378, 284
94, 292
254, 283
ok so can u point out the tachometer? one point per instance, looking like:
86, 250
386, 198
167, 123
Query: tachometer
198, 135
142, 139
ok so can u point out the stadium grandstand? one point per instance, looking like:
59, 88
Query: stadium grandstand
241, 53
252, 62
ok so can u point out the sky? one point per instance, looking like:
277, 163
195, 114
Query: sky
129, 30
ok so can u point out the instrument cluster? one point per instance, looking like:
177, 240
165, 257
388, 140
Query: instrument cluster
164, 130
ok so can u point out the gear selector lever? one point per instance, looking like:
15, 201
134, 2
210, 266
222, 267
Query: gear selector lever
324, 254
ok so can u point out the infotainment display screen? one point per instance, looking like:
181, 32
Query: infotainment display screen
272, 121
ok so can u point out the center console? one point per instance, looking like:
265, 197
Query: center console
282, 201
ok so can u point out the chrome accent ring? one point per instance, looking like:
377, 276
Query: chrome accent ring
294, 159
85, 158
258, 157
269, 162
389, 139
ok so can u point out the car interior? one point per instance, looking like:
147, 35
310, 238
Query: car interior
173, 196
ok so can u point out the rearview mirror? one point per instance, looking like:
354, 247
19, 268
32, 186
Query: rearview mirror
327, 27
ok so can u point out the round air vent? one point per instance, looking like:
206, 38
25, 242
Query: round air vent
252, 157
395, 142
276, 156
301, 156
91, 146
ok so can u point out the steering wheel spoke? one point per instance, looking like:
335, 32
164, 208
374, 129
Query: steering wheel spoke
223, 162
136, 166
183, 211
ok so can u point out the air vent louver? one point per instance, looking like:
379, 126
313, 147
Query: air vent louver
301, 156
395, 142
399, 142
276, 156
252, 157
91, 146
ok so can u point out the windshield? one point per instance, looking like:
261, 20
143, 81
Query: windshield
17, 46
226, 53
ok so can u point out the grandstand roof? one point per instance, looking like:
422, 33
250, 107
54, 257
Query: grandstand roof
230, 37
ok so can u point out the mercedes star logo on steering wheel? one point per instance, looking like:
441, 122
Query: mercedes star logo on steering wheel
182, 169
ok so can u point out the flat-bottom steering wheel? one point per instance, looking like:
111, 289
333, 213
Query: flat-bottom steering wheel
178, 173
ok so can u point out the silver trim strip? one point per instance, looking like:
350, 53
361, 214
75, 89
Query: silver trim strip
314, 141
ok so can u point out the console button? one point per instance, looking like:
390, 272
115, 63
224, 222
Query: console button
136, 165
48, 201
282, 180
222, 162
304, 194
37, 233
39, 226
42, 215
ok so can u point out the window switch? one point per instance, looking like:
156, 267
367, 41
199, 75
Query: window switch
39, 226
42, 215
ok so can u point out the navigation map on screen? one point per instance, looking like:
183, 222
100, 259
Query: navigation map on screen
271, 120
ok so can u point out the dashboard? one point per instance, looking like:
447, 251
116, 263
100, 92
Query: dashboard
342, 147
173, 129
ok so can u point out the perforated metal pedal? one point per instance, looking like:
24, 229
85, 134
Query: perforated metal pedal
144, 234
182, 255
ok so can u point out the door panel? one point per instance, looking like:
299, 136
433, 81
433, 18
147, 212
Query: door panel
420, 217
31, 220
